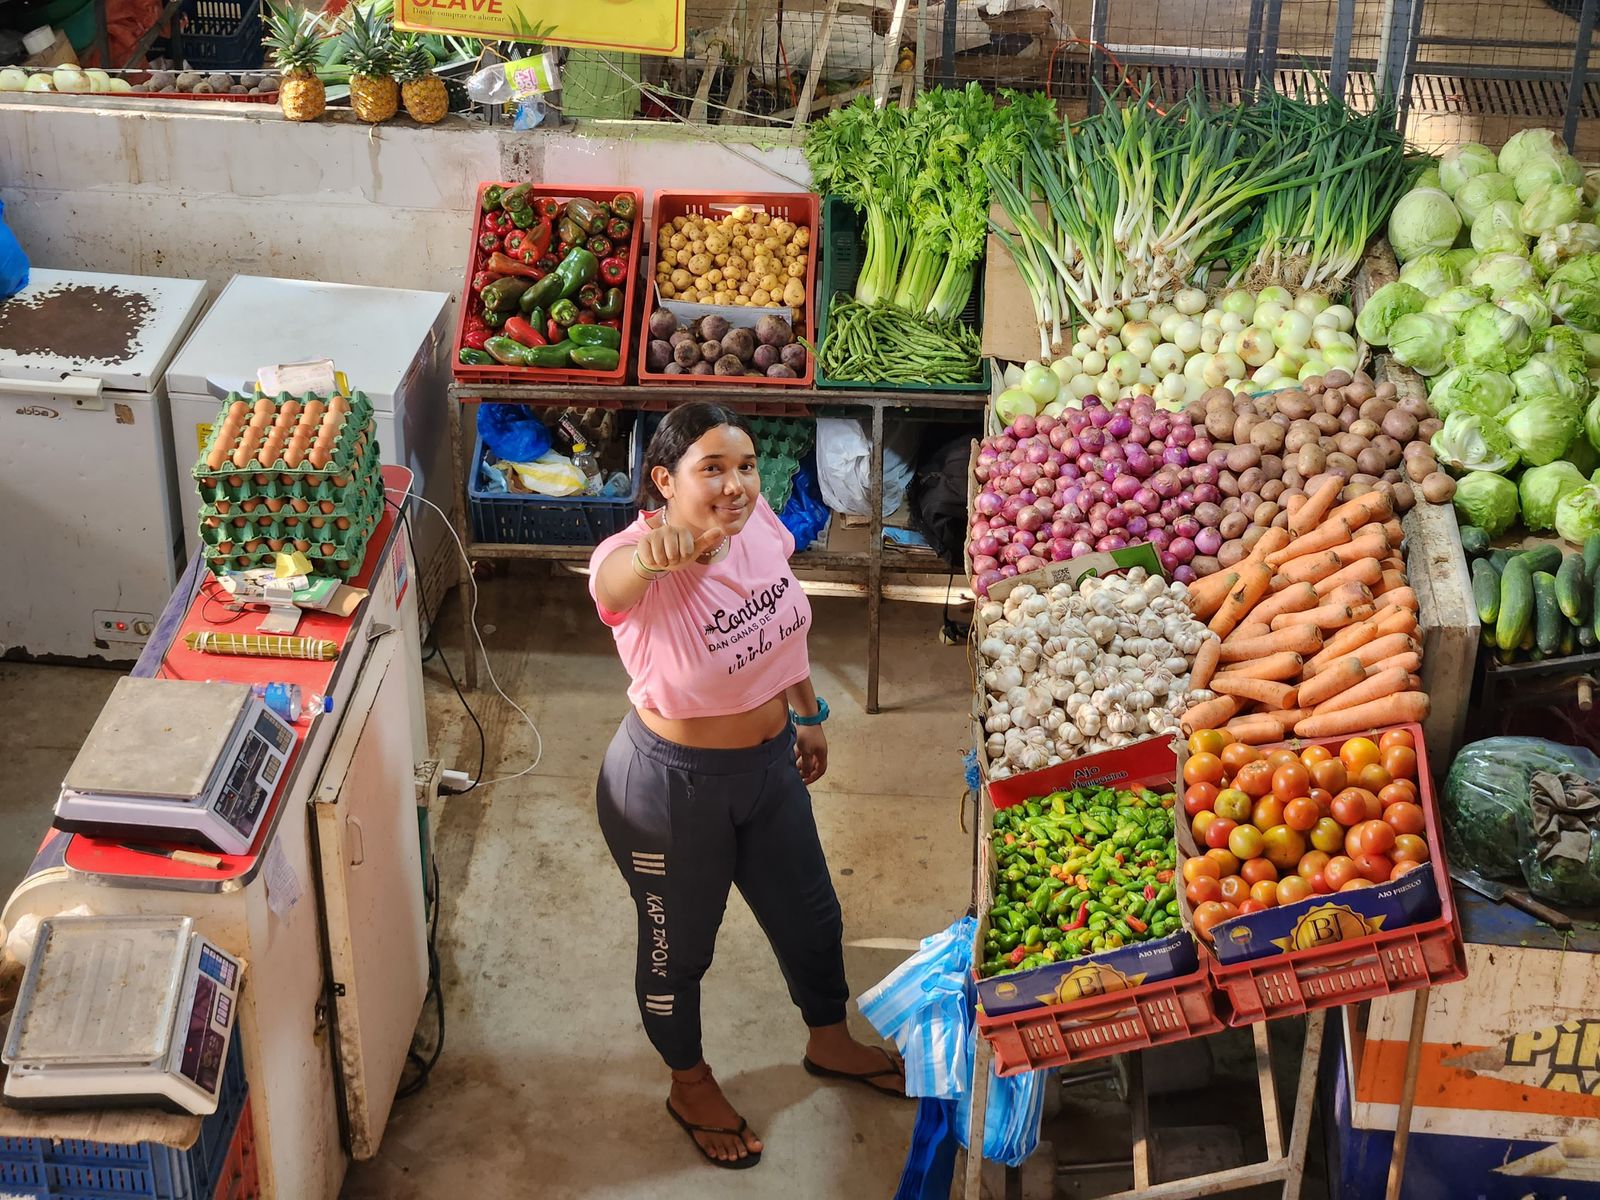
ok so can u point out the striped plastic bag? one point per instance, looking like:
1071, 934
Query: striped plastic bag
924, 1006
1011, 1119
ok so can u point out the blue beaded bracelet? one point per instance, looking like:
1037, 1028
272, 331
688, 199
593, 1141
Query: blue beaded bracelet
822, 714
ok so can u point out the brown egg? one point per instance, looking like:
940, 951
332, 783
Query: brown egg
342, 522
235, 481
325, 505
339, 405
274, 544
319, 458
224, 505
249, 505
275, 504
299, 505
301, 544
328, 548
317, 522
264, 407
213, 522
225, 546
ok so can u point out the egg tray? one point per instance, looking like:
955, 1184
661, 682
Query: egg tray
313, 487
256, 518
346, 450
341, 560
783, 442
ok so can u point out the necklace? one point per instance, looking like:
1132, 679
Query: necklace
717, 555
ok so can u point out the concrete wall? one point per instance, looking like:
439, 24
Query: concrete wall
211, 191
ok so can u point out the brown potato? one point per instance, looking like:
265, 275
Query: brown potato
1404, 497
1341, 465
1438, 488
1362, 427
1288, 494
1350, 443
1281, 521
1400, 425
1264, 514
1251, 479
1375, 410
1301, 433
1417, 406
1429, 426
1348, 416
1272, 464
1242, 425
1205, 564
1293, 478
1295, 404
1234, 524
1333, 402
1372, 462
1268, 437
1393, 476
1231, 553
1312, 460
1243, 457
1228, 484
1360, 389
1313, 386
1327, 423
1385, 391
1272, 489
1219, 423
1420, 467
1390, 448
1249, 502
1337, 378
1354, 489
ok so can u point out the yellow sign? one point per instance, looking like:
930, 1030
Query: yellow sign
202, 434
639, 26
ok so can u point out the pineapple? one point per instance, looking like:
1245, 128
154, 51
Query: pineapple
369, 53
292, 37
422, 92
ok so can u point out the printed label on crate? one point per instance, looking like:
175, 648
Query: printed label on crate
1152, 762
1085, 978
1073, 570
640, 26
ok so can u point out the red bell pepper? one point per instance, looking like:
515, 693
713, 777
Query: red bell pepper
504, 264
477, 337
520, 243
519, 330
614, 270
482, 280
547, 207
612, 322
489, 243
585, 318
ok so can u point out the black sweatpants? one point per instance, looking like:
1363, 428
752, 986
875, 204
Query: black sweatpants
683, 824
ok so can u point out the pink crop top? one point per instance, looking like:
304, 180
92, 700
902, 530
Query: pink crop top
714, 640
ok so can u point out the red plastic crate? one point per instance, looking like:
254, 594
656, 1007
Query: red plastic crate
802, 208
1377, 964
240, 1177
548, 375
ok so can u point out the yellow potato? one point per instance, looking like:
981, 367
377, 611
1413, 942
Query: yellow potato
678, 241
761, 298
717, 243
665, 289
782, 229
697, 247
763, 218
700, 263
679, 222
773, 245
702, 297
769, 283
722, 298
740, 241
794, 293
744, 301
682, 257
746, 288
741, 213
721, 260
681, 279
714, 275
802, 237
796, 269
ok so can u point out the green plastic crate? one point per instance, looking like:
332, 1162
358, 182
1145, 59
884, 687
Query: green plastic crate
841, 267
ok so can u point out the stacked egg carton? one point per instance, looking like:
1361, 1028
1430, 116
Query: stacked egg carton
782, 442
290, 474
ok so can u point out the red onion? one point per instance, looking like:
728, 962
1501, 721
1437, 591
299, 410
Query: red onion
985, 581
1186, 527
1160, 424
1005, 444
1186, 501
1112, 541
1147, 499
1077, 421
1012, 506
1045, 486
984, 562
1013, 553
988, 503
1138, 526
1029, 519
1207, 493
1099, 418
1124, 487
1071, 447
1208, 541
1157, 521
979, 527
1029, 473
1098, 526
1073, 513
1204, 473
1140, 462
1032, 563
1116, 519
1123, 404
1165, 483
1047, 423
1045, 507
1170, 511
1143, 408
1181, 548
1169, 561
1120, 426
1185, 574
981, 472
1001, 533
1052, 470
1010, 485
1019, 455
1115, 452
1200, 447
1175, 456
1008, 571
1024, 538
1060, 548
1158, 537
1038, 452
987, 545
1060, 436
1024, 426
1141, 434
1181, 433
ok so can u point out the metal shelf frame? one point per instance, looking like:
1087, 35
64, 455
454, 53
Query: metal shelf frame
786, 402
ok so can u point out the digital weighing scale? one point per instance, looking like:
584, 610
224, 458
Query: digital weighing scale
178, 760
122, 1010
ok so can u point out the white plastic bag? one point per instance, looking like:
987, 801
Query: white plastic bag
844, 464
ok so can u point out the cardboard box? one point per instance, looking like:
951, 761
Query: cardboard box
1151, 763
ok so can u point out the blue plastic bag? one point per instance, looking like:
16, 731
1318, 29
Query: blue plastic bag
513, 432
930, 1168
13, 261
1011, 1119
805, 516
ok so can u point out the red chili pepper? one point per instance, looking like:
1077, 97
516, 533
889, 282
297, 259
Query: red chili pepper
1018, 955
614, 270
477, 337
1163, 876
518, 330
553, 332
1149, 892
1079, 921
1135, 924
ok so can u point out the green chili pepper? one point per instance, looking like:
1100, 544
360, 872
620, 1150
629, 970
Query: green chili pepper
506, 352
558, 354
492, 197
469, 357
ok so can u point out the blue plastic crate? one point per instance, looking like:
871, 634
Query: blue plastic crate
516, 518
42, 1169
222, 35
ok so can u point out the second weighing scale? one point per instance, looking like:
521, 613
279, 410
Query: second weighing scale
175, 760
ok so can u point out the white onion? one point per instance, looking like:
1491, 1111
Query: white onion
1344, 357
1170, 326
1190, 301
1275, 295
1228, 343
1094, 363
1173, 386
1341, 315
1065, 368
1081, 386
1314, 366
1325, 338
1136, 310
1124, 366
1267, 314
1267, 374
1167, 359
1310, 303
1109, 345
1256, 346
1086, 336
1107, 387
1210, 339
1194, 369
1109, 319
1211, 319
1187, 336
1238, 303
1288, 361
1233, 322
1160, 312
1147, 378
1292, 329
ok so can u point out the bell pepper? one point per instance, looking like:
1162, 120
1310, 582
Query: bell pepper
612, 323
521, 241
482, 280
600, 246
517, 198
525, 332
489, 242
506, 352
475, 338
544, 293
495, 319
625, 206
596, 358
492, 196
564, 312
619, 229
524, 218
548, 208
577, 268
553, 332
570, 232
585, 317
504, 264
491, 222
548, 262
609, 304
469, 356
583, 213
557, 354
589, 295
596, 335
614, 271
503, 295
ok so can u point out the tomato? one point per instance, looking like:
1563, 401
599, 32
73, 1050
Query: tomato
1227, 864
1251, 905
1292, 888
1206, 915
1203, 768
1397, 737
1195, 868
1358, 882
1200, 823
1404, 817
1207, 741
1324, 801
1409, 848
1339, 871
1254, 779
1245, 841
1218, 832
1236, 754
1233, 804
1231, 909
1357, 753
1199, 797
1369, 837
1265, 893
1355, 805
1405, 868
1291, 780
1235, 890
1312, 755
1282, 757
1374, 777
1311, 864
1375, 867
1400, 762
1398, 791
1320, 885
1268, 811
1259, 870
1330, 775
1203, 888
1284, 846
1327, 834
1301, 814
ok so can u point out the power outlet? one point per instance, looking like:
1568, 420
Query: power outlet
123, 626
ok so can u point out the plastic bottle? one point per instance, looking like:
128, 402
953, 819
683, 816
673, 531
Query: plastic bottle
515, 80
590, 466
287, 700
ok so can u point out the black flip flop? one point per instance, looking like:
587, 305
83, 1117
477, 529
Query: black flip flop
865, 1079
732, 1164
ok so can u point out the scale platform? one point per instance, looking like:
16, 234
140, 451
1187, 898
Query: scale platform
176, 760
122, 1010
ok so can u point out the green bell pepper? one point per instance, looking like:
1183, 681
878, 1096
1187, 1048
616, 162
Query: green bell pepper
504, 295
516, 198
596, 358
558, 354
506, 352
564, 313
584, 213
492, 197
576, 269
475, 358
596, 335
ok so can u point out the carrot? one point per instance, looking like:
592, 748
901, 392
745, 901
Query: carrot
1310, 568
1384, 621
1336, 677
1329, 616
1373, 687
1372, 506
1297, 597
1253, 581
1381, 648
1301, 639
1205, 663
1409, 659
1206, 595
1363, 570
1268, 544
1209, 714
1256, 730
1392, 562
1326, 536
1285, 664
1364, 545
1263, 691
1388, 580
1317, 506
1351, 593
1391, 710
1396, 532
1294, 503
1249, 631
1402, 597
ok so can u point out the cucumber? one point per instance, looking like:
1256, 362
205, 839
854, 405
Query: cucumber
1515, 619
1586, 638
1547, 616
1499, 558
1485, 591
1572, 592
1569, 641
1543, 558
1474, 541
1591, 554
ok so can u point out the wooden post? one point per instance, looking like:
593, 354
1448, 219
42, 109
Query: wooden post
891, 55
972, 1188
819, 55
1408, 1092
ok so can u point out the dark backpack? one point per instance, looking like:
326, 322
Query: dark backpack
939, 498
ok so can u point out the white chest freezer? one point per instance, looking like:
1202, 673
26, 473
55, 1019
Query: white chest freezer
390, 344
89, 536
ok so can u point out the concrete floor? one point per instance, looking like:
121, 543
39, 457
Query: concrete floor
547, 1085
